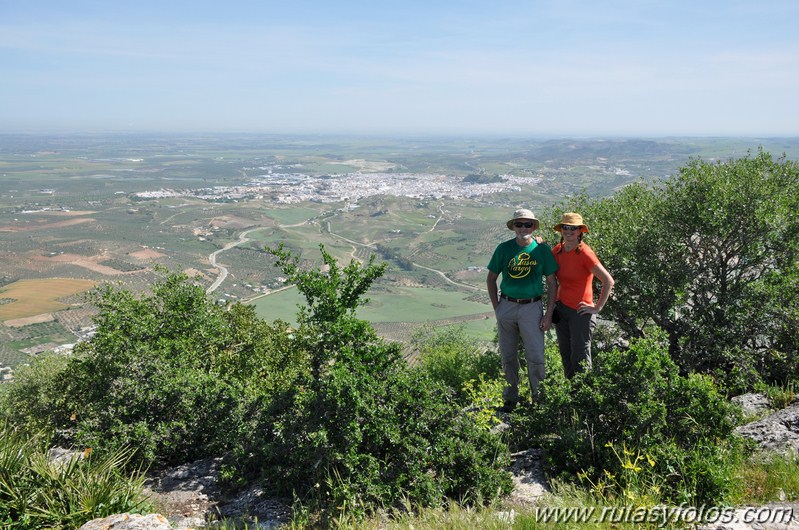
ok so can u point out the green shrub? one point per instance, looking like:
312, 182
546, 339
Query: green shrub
170, 416
372, 433
168, 373
32, 396
449, 356
148, 378
636, 399
363, 430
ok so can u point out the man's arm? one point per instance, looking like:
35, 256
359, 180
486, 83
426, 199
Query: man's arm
493, 291
552, 295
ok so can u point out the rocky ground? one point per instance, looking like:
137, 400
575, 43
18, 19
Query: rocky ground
188, 496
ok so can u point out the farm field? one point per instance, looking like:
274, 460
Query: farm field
25, 299
392, 309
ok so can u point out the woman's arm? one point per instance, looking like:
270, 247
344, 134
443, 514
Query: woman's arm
602, 274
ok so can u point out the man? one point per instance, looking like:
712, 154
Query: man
523, 263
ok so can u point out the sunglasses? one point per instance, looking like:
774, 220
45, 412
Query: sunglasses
528, 224
568, 228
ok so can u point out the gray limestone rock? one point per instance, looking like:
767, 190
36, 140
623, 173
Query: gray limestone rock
129, 521
752, 404
776, 432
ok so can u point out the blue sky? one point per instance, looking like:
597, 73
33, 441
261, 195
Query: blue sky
544, 68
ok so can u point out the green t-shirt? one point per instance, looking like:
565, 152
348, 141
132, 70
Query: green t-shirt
522, 268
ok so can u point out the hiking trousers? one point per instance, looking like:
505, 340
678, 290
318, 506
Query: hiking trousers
520, 321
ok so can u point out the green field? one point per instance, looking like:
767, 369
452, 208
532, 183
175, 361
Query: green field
400, 304
416, 305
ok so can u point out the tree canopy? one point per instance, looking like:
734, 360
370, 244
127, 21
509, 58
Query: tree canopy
710, 256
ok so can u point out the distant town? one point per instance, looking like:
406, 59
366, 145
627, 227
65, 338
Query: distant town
292, 188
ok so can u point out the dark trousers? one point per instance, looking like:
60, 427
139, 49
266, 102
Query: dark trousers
574, 332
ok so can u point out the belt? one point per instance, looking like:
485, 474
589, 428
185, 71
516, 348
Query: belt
520, 300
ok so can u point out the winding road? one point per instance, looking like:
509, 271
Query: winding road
223, 272
222, 269
440, 273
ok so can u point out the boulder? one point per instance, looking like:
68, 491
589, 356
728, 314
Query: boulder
776, 432
129, 521
752, 404
190, 497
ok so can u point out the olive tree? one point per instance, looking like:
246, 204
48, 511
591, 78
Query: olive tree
710, 257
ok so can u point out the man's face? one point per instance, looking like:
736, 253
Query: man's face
524, 229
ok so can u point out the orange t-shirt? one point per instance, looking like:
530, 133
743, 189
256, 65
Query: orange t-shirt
575, 279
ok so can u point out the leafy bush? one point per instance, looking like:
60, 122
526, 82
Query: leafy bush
170, 416
365, 438
365, 431
169, 373
636, 399
449, 356
31, 399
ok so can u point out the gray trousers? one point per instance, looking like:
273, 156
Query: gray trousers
574, 339
516, 321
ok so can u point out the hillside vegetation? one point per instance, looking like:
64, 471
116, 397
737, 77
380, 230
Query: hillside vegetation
327, 414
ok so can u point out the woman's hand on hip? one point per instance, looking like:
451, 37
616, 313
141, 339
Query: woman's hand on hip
585, 308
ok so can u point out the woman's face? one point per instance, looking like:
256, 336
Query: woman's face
570, 233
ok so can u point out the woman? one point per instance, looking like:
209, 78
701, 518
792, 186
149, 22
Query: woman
576, 310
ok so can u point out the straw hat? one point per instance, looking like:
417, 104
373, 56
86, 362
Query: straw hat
571, 219
523, 213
